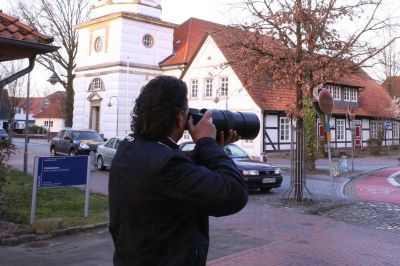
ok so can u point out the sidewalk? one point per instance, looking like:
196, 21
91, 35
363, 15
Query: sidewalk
259, 235
264, 235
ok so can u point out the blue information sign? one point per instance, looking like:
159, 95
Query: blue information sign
62, 171
388, 124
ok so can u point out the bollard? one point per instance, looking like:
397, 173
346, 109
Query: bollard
335, 167
263, 157
343, 165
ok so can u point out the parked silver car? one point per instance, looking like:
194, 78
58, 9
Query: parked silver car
105, 152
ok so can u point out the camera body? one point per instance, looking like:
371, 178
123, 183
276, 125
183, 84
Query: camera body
247, 125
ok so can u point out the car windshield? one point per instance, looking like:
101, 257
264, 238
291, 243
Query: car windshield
234, 151
83, 135
3, 131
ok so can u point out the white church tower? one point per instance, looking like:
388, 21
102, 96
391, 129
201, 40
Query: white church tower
119, 52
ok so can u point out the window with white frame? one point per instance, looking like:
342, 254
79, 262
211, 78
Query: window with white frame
395, 133
223, 85
334, 91
248, 141
186, 135
46, 123
284, 129
208, 87
376, 128
347, 93
96, 84
340, 129
353, 95
194, 88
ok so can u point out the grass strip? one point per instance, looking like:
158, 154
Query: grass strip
66, 203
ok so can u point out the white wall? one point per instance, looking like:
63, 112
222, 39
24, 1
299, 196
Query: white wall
207, 64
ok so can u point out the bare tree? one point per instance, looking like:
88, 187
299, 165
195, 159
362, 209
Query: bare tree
297, 42
388, 64
57, 18
16, 92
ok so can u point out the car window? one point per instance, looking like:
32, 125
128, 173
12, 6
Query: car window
60, 134
110, 143
188, 147
117, 143
67, 134
85, 135
234, 151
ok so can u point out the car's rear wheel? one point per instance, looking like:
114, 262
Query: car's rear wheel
53, 151
265, 189
100, 163
72, 152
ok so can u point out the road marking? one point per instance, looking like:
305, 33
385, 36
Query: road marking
391, 179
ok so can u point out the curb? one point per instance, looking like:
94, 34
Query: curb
24, 238
351, 178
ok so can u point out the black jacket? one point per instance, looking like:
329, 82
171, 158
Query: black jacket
160, 200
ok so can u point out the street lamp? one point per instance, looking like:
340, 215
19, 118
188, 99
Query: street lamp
109, 105
46, 105
53, 79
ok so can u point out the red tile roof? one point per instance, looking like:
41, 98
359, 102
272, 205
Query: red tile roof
187, 39
18, 41
55, 108
373, 98
12, 28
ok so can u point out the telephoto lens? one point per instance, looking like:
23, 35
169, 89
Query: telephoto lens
247, 125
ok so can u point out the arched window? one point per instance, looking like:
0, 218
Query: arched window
96, 85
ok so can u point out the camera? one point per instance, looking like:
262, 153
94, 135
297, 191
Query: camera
247, 125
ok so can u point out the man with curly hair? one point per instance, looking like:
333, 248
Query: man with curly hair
160, 199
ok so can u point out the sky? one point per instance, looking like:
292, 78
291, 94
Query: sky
178, 11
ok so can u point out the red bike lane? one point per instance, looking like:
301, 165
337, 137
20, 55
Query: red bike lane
379, 186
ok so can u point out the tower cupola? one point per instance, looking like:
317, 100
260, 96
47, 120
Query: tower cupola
150, 8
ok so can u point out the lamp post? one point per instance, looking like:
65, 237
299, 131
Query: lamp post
219, 94
109, 105
53, 79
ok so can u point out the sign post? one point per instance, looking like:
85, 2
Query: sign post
58, 171
388, 126
352, 116
324, 107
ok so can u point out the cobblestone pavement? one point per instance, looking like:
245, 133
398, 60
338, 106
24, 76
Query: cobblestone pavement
383, 216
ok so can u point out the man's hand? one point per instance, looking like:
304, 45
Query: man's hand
203, 129
230, 138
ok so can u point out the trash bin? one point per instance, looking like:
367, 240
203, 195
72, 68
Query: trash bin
335, 167
343, 165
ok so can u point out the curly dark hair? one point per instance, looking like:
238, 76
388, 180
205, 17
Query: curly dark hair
157, 106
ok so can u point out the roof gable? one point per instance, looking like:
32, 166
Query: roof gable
374, 100
187, 39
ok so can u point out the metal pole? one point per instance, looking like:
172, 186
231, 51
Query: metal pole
48, 132
127, 82
352, 145
26, 126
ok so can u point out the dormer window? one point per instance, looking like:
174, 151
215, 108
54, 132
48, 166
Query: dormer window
96, 85
350, 94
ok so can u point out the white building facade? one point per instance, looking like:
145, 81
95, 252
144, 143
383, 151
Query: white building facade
126, 44
119, 52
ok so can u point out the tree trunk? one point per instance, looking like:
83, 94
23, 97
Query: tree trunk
69, 108
299, 153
